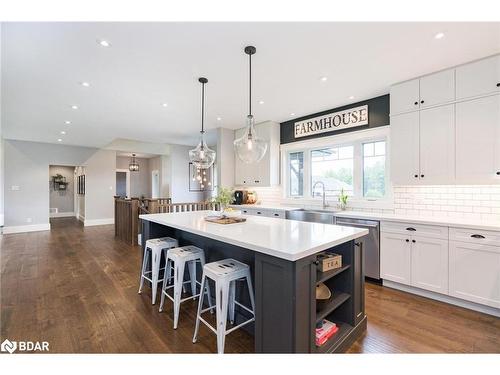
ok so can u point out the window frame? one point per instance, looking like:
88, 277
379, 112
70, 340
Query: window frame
356, 139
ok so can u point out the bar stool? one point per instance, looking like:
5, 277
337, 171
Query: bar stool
180, 257
225, 273
155, 246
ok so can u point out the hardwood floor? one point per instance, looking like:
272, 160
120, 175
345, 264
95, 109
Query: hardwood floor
77, 287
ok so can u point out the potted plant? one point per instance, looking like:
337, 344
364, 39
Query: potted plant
343, 199
225, 197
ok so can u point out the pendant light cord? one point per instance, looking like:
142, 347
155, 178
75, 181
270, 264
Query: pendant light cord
250, 85
202, 107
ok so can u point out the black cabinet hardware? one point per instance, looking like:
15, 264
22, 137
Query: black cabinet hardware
358, 244
411, 229
422, 175
259, 213
498, 173
245, 211
477, 236
276, 214
316, 262
413, 241
416, 103
498, 84
416, 176
421, 102
257, 181
407, 240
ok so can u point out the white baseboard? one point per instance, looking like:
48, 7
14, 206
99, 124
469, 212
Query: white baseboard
62, 214
91, 223
25, 228
443, 298
80, 217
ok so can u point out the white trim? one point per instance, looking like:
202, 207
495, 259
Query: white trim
94, 222
443, 298
127, 181
1, 220
62, 214
80, 217
26, 228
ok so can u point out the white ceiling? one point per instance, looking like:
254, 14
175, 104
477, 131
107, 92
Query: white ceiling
153, 63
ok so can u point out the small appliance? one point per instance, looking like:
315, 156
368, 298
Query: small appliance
239, 196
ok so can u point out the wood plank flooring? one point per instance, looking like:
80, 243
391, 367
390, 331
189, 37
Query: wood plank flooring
77, 287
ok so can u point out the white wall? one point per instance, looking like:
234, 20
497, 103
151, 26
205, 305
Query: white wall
140, 182
27, 174
225, 157
63, 200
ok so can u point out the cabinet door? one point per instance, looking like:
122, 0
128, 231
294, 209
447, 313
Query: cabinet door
475, 273
437, 88
395, 257
478, 78
437, 145
477, 140
405, 97
429, 264
405, 148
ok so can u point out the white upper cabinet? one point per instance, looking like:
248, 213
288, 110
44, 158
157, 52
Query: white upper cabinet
437, 145
437, 88
478, 78
478, 140
266, 171
431, 90
405, 97
405, 167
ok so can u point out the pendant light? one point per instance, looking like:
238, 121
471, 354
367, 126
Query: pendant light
202, 157
250, 148
133, 165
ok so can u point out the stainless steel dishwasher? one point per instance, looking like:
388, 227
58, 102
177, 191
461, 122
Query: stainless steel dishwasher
371, 243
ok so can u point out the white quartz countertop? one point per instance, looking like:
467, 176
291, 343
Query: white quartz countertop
275, 207
444, 221
286, 239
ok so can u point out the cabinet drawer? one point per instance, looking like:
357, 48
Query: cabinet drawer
431, 231
482, 237
277, 214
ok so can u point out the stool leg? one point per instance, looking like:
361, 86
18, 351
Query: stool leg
250, 292
155, 268
178, 282
200, 307
168, 266
222, 296
209, 296
232, 292
143, 269
192, 276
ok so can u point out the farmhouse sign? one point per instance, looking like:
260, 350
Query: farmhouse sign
349, 118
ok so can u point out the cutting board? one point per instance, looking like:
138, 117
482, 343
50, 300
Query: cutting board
225, 220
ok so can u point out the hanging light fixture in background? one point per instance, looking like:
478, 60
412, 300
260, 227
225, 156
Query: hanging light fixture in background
133, 165
250, 148
202, 157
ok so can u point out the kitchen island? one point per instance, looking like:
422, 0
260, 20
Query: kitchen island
282, 255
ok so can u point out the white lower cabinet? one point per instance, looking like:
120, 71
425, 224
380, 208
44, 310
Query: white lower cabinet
429, 264
395, 257
475, 272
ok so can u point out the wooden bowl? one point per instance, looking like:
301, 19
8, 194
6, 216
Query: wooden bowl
323, 294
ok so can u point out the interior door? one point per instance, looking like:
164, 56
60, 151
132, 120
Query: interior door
405, 168
437, 145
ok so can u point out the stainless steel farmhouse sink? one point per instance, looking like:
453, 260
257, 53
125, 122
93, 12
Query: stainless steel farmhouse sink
313, 216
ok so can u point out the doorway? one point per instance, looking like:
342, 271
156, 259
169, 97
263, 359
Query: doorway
155, 184
123, 183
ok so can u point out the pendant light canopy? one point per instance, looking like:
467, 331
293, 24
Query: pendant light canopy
202, 157
250, 148
133, 165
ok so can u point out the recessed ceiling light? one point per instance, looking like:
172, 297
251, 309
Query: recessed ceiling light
85, 84
323, 79
74, 107
67, 122
63, 132
351, 97
219, 118
261, 102
164, 105
292, 114
104, 43
59, 140
439, 36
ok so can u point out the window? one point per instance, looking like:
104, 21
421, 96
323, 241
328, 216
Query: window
296, 174
374, 169
334, 168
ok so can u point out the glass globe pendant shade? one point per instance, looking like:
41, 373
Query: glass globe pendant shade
250, 148
202, 156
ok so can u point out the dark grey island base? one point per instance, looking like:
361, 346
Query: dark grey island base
285, 302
